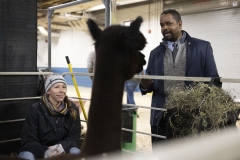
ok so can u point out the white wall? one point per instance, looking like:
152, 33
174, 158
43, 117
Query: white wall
222, 29
77, 44
72, 43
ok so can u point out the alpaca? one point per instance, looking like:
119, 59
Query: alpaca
118, 58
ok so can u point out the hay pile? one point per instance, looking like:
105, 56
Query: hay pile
199, 109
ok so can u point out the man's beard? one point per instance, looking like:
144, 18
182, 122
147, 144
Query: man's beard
171, 39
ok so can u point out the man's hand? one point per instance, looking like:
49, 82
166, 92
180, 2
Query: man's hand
145, 83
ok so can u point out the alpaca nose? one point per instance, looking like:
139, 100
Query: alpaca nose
143, 59
144, 62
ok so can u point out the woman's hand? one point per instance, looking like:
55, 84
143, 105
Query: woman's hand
54, 151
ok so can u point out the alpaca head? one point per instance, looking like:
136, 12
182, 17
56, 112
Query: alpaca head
120, 45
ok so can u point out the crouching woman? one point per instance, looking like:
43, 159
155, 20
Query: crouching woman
52, 125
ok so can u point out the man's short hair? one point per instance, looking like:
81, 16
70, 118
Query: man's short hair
174, 13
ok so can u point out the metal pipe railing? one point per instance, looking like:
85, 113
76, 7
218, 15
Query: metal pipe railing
10, 140
153, 135
177, 78
68, 4
137, 106
130, 105
14, 120
24, 73
23, 98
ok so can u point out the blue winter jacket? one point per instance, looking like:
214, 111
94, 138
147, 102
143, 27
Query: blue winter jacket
199, 63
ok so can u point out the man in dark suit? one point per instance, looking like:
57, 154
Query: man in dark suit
177, 55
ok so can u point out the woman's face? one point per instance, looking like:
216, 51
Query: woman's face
57, 93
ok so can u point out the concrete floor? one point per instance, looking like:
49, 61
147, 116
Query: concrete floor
143, 142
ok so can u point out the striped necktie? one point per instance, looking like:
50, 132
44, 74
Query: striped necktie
174, 53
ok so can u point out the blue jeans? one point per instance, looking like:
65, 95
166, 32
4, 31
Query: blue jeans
74, 150
29, 156
130, 88
26, 155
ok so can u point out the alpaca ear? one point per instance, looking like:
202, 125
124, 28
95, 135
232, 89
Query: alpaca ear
94, 29
136, 23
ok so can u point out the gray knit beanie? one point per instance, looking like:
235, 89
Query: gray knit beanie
52, 79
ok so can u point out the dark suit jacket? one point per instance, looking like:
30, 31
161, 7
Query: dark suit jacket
199, 63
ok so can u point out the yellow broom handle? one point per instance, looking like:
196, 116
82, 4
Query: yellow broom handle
76, 87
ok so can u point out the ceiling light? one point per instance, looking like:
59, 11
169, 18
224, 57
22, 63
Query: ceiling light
45, 32
235, 3
169, 2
